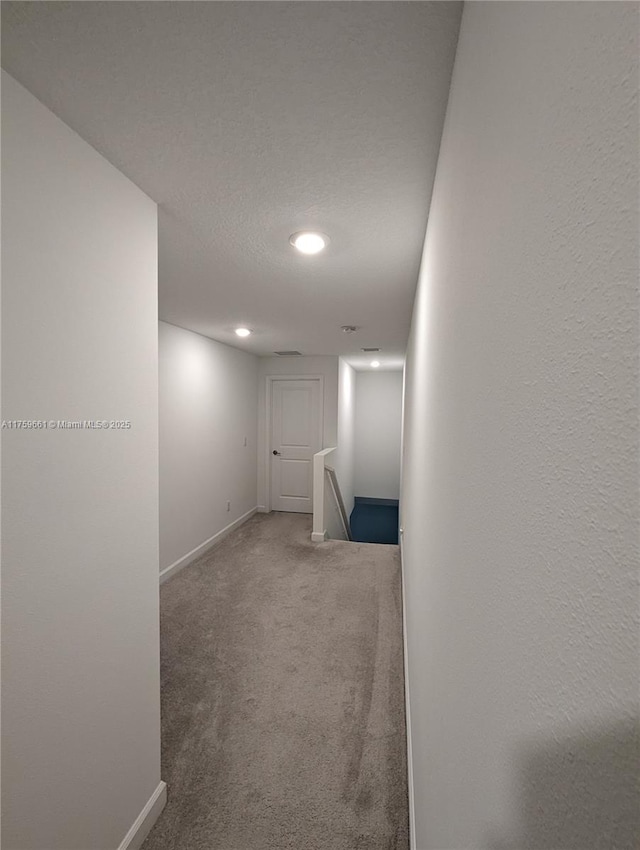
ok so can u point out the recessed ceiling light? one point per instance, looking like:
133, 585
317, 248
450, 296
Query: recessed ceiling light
308, 242
375, 363
243, 331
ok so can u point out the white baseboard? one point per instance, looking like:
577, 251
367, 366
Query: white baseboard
318, 536
141, 827
202, 548
407, 703
263, 509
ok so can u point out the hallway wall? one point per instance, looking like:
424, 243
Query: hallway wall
378, 431
520, 482
80, 655
208, 406
344, 459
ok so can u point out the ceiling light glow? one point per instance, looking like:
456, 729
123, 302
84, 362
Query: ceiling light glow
308, 242
375, 363
243, 331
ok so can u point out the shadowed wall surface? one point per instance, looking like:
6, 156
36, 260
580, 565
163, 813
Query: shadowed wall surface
282, 695
80, 677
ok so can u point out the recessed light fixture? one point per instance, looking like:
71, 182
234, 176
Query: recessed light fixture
309, 242
243, 331
375, 363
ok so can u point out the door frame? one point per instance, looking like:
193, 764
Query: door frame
268, 395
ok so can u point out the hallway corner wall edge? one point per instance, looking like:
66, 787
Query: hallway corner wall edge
344, 459
519, 493
80, 618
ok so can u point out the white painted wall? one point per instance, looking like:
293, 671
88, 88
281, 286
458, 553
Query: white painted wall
343, 460
325, 366
378, 432
208, 406
80, 660
520, 481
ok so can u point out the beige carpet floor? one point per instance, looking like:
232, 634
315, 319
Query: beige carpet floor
282, 695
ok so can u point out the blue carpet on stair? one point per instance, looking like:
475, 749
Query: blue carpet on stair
374, 520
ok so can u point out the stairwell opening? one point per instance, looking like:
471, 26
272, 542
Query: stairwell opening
357, 482
374, 520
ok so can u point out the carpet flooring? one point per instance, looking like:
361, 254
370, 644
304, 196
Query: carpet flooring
282, 695
374, 523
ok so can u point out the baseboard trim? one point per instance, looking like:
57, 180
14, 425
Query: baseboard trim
142, 825
385, 503
263, 509
318, 536
212, 541
407, 711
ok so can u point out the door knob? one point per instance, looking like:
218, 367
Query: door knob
275, 452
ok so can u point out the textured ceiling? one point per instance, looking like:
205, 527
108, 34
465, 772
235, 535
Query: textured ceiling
247, 121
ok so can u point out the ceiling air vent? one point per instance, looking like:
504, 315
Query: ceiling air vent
288, 353
369, 349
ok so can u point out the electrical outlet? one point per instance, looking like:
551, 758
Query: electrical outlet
228, 506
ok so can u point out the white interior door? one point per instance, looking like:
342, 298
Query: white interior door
296, 435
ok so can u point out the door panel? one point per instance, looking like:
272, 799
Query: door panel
296, 435
296, 410
294, 478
